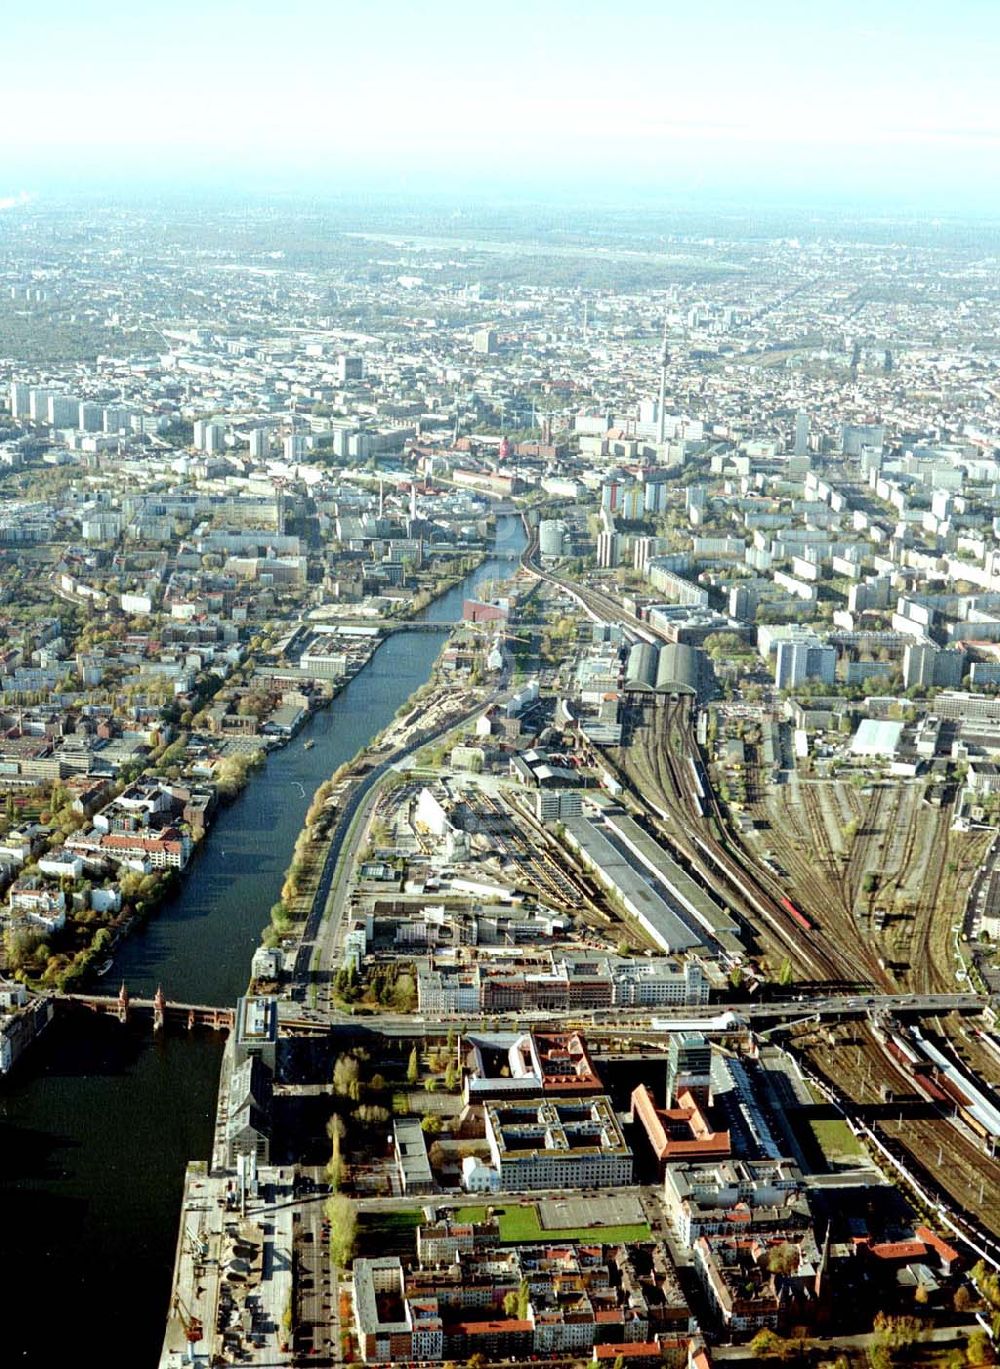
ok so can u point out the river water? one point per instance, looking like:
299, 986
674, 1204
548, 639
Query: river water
97, 1125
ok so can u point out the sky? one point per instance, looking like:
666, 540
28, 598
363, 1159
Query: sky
885, 100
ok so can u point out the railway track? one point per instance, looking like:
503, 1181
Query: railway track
901, 861
831, 960
820, 842
864, 853
704, 840
535, 864
922, 968
932, 1142
758, 895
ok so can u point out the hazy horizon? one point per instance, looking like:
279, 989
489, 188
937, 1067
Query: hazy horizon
876, 104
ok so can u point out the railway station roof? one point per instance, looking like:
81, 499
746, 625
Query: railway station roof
677, 671
698, 903
660, 914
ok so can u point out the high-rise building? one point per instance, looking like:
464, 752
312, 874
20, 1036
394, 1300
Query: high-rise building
209, 435
63, 411
485, 342
350, 368
655, 496
608, 549
90, 417
932, 667
854, 436
611, 495
20, 399
260, 443
294, 447
804, 658
801, 434
689, 1067
38, 405
116, 418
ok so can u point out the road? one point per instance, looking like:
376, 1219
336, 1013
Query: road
327, 912
935, 1335
625, 1021
318, 1326
398, 1202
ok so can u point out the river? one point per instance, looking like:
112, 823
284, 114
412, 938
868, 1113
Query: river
98, 1124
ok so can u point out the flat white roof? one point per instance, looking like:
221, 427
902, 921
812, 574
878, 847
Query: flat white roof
875, 737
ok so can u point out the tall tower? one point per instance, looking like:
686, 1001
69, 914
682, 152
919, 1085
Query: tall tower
123, 1003
413, 500
661, 413
159, 1009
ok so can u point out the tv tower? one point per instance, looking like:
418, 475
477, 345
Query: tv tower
661, 412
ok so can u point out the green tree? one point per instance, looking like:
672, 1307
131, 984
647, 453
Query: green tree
413, 1067
346, 1077
371, 1114
767, 1344
335, 1169
343, 1221
783, 1258
978, 1349
523, 1300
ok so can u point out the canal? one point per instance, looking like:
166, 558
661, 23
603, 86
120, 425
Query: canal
97, 1126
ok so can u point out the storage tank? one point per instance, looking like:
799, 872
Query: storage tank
551, 536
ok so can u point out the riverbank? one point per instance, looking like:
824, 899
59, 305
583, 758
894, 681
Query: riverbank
211, 768
431, 711
196, 1281
99, 1126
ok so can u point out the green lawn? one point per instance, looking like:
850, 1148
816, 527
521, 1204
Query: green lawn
388, 1233
835, 1138
518, 1224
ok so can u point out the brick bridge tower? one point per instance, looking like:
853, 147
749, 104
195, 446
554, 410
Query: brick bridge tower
159, 1009
123, 1003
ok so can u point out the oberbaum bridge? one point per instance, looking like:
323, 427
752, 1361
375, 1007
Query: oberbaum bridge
184, 1014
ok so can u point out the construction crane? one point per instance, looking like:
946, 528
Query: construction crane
196, 1244
193, 1330
789, 1022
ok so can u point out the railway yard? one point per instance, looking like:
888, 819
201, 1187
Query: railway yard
817, 855
662, 763
860, 882
882, 861
909, 1112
